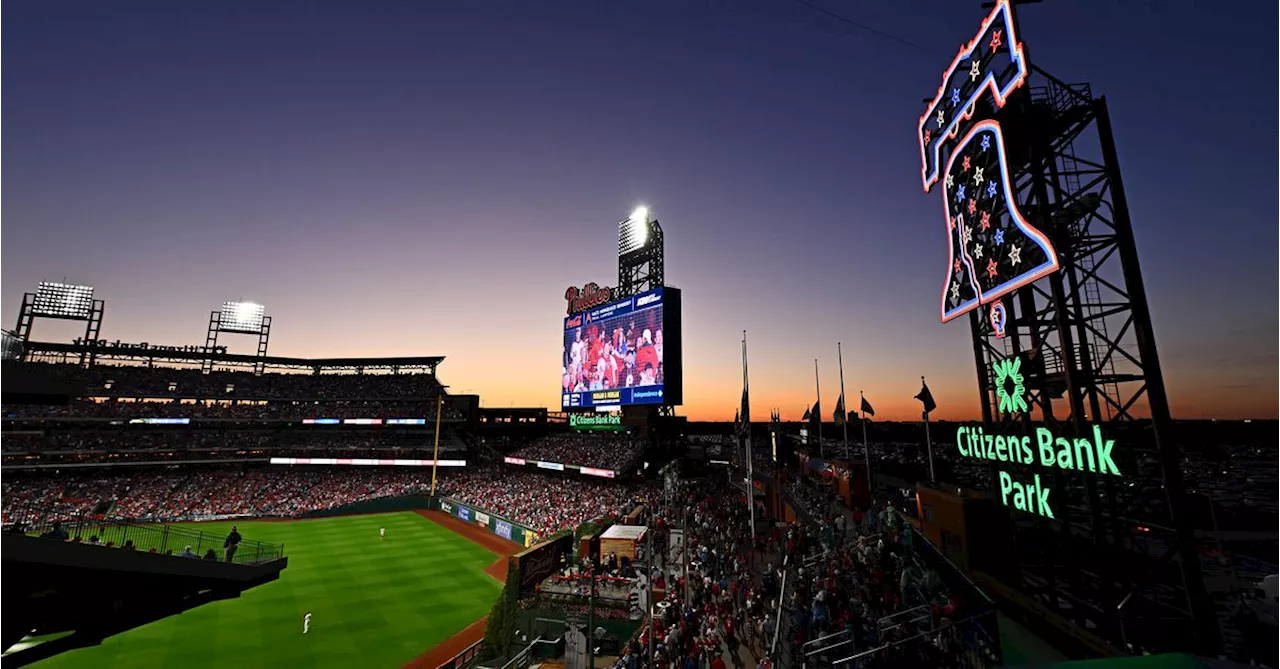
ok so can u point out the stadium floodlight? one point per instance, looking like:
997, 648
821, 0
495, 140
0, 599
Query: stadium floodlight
244, 317
63, 300
633, 233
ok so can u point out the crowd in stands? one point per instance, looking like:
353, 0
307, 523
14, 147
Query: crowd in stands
584, 450
183, 445
527, 497
141, 381
538, 500
267, 410
853, 582
192, 494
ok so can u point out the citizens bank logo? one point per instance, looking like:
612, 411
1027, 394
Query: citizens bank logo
1010, 390
647, 299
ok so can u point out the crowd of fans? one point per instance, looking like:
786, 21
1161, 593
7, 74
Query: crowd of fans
193, 494
242, 410
853, 582
584, 450
544, 502
182, 445
527, 497
141, 381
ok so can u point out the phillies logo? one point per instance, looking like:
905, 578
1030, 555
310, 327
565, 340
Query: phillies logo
590, 295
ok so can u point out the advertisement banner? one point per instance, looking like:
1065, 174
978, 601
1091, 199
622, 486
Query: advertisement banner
503, 529
606, 473
513, 461
482, 518
551, 465
464, 513
446, 507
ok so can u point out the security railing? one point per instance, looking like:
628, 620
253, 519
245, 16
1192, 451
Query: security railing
162, 539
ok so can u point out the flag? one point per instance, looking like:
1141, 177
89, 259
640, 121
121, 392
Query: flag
743, 425
838, 415
815, 414
866, 408
806, 416
926, 397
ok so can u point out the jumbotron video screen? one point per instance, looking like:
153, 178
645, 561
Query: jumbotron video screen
623, 353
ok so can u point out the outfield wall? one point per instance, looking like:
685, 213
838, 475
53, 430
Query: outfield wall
380, 505
507, 529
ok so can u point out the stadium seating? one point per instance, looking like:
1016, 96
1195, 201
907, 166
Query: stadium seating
585, 450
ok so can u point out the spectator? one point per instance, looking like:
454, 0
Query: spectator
187, 553
211, 555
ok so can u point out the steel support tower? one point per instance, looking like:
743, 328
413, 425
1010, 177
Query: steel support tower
27, 315
1089, 355
643, 268
211, 342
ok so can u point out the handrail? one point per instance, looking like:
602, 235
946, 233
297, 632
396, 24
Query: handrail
956, 626
111, 532
920, 538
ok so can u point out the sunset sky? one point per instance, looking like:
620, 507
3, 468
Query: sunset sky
426, 178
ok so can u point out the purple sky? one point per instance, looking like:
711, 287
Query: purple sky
427, 178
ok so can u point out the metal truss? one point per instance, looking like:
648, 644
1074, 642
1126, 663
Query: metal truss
644, 268
1088, 353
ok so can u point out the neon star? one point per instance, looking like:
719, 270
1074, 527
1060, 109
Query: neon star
960, 193
992, 270
975, 70
977, 176
965, 235
986, 220
928, 135
955, 96
986, 141
973, 206
957, 267
955, 291
995, 39
950, 181
966, 163
1015, 255
977, 251
942, 118
999, 238
991, 188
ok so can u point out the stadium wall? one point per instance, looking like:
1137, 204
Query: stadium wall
507, 529
380, 505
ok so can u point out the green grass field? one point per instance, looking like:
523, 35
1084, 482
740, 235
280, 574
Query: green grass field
374, 602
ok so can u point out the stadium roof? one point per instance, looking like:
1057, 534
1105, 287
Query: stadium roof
196, 354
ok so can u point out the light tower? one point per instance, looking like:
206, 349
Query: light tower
640, 254
62, 301
238, 318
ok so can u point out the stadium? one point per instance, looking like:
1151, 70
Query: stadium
181, 504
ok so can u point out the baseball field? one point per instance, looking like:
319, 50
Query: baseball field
375, 603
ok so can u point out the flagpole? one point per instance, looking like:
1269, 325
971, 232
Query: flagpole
822, 452
927, 443
866, 449
746, 422
844, 410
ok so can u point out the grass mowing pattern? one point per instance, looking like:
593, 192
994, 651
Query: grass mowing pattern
374, 602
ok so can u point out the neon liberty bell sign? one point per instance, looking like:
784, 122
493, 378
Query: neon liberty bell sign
992, 249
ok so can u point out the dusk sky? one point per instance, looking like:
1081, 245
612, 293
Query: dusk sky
426, 178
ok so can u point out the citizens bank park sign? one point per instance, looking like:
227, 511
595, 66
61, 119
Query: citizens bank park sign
1092, 454
587, 297
599, 421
